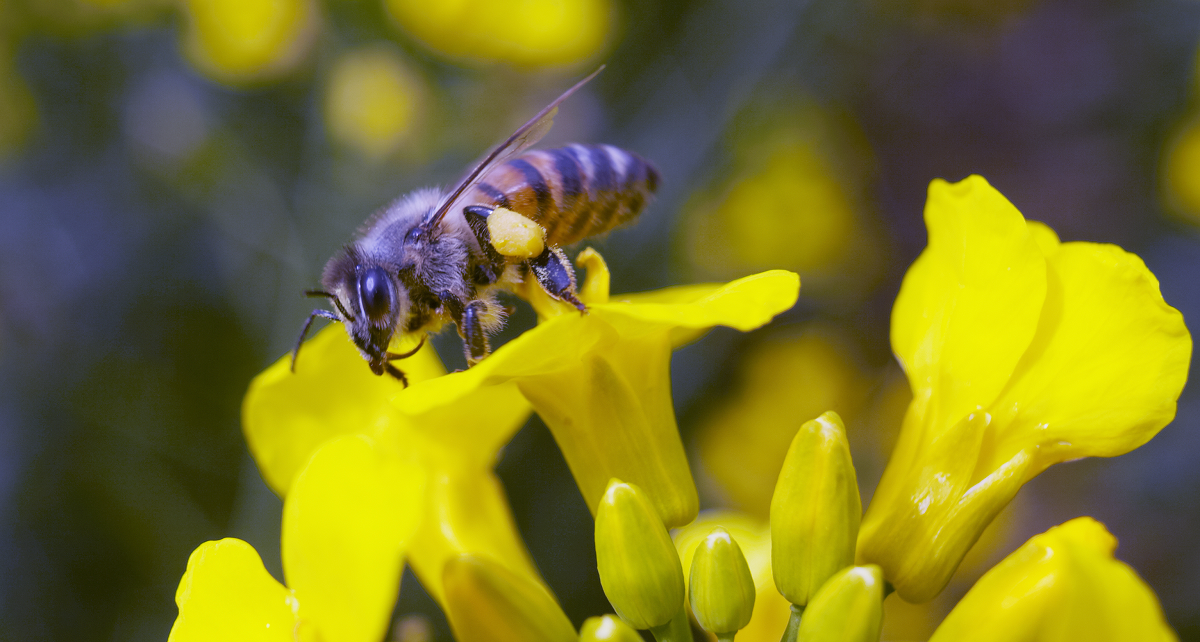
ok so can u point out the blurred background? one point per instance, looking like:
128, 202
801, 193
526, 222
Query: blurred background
174, 173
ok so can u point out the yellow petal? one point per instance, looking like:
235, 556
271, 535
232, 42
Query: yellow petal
612, 417
1062, 585
467, 512
468, 422
345, 526
226, 594
287, 415
1106, 366
969, 305
485, 602
691, 310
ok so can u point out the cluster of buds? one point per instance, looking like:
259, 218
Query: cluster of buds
815, 515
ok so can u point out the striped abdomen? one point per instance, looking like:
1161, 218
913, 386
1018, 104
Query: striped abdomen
574, 191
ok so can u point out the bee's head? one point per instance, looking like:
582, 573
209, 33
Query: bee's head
376, 302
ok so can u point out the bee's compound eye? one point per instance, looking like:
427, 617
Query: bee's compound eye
375, 290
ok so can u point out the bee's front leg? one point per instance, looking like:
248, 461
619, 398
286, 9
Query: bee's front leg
556, 276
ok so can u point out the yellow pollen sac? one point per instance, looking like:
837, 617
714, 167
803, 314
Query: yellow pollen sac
515, 235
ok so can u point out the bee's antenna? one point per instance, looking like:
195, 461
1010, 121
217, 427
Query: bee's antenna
304, 331
331, 297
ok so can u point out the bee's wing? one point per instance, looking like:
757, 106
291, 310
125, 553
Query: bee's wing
525, 137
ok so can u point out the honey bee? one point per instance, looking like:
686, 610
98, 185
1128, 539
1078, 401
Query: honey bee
427, 259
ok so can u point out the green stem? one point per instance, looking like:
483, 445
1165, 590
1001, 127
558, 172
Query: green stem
727, 637
677, 630
793, 627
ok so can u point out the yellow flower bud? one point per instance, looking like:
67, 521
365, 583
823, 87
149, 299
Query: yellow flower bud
515, 235
721, 587
1061, 585
848, 608
607, 628
639, 568
815, 511
485, 601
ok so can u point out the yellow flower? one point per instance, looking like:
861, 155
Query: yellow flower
248, 40
601, 380
286, 416
1181, 169
1021, 352
528, 33
373, 101
346, 524
1061, 585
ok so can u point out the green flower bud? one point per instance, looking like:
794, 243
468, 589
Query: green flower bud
721, 588
815, 511
848, 608
485, 601
607, 628
639, 567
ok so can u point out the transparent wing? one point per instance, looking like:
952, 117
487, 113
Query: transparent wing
525, 137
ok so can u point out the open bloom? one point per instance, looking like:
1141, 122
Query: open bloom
1021, 352
1061, 585
600, 380
346, 524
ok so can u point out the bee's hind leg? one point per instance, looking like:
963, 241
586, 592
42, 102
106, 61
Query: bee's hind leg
475, 339
556, 276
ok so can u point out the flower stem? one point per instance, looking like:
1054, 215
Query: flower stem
793, 626
727, 637
677, 630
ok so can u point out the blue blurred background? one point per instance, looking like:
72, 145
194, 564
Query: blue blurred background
173, 174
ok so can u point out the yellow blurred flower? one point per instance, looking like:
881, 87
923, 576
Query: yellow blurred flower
239, 41
792, 199
1061, 585
783, 382
18, 112
530, 33
1021, 352
771, 609
1182, 172
346, 524
373, 101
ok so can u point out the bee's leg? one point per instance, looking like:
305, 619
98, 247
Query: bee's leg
475, 339
488, 272
397, 373
556, 276
469, 319
304, 331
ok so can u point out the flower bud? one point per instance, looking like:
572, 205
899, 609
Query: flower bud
721, 587
485, 601
639, 567
847, 608
815, 511
607, 628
